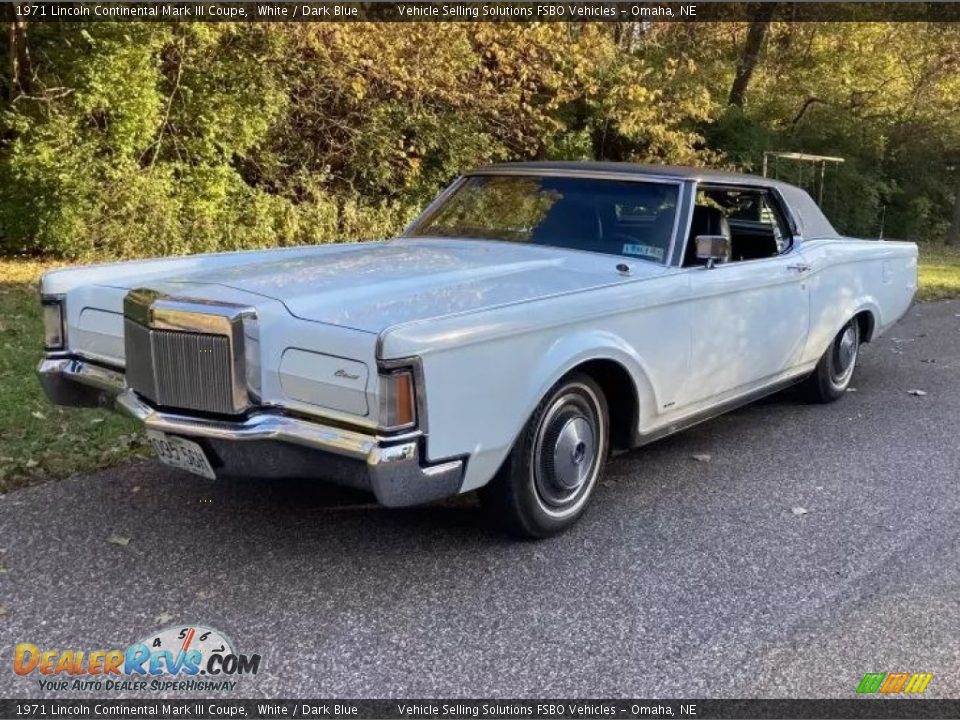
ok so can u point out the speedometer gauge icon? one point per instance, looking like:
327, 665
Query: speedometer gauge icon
186, 638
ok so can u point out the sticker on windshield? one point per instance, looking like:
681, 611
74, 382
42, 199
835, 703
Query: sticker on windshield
643, 251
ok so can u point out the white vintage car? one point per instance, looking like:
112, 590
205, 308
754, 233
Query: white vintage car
535, 318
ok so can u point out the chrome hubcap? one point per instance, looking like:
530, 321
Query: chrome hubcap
566, 454
845, 355
573, 453
847, 349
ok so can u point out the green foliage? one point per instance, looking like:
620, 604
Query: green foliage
127, 144
161, 138
881, 95
39, 440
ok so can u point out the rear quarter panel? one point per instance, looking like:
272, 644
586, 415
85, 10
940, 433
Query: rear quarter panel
849, 276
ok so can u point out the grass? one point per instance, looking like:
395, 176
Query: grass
939, 273
40, 441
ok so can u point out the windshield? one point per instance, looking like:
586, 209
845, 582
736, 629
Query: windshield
616, 217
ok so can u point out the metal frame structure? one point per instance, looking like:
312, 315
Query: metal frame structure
804, 157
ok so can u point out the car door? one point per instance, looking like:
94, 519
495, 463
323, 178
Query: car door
748, 323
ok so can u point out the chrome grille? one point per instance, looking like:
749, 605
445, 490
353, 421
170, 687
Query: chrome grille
177, 369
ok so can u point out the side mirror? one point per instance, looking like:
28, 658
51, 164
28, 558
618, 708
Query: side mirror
713, 248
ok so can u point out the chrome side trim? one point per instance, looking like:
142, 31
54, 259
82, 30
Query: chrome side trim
689, 200
664, 179
713, 412
429, 210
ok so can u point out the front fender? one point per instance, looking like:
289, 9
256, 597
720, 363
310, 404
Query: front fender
484, 418
568, 352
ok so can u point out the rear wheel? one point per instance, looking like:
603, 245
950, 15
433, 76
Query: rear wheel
550, 475
835, 370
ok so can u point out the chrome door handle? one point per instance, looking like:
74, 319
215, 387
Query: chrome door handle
799, 267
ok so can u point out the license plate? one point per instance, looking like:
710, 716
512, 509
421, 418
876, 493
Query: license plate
181, 454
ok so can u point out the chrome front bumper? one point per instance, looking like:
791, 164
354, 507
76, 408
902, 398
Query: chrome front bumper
389, 466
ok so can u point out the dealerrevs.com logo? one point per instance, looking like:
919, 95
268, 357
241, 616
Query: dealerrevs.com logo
191, 658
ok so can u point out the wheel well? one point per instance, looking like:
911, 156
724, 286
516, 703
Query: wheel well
621, 396
866, 323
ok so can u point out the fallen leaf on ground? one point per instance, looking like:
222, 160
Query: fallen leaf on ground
918, 393
701, 457
799, 510
119, 540
135, 489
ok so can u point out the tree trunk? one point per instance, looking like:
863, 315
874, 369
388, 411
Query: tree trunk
11, 15
750, 53
19, 67
953, 234
24, 77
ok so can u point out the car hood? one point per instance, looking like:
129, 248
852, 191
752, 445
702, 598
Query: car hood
372, 286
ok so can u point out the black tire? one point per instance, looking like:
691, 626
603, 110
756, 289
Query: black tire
835, 370
556, 463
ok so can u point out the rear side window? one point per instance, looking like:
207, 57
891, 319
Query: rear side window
757, 226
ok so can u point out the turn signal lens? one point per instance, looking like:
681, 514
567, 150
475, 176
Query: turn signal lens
53, 331
397, 407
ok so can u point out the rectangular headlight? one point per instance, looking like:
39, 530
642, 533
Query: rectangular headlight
54, 332
397, 400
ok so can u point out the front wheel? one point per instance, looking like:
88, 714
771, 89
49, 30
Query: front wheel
549, 476
835, 370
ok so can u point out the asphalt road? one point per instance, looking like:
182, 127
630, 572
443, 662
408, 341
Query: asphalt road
685, 579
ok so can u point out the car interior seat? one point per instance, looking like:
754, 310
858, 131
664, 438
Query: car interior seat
754, 244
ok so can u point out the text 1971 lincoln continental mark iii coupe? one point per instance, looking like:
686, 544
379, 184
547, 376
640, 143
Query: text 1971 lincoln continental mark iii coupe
534, 318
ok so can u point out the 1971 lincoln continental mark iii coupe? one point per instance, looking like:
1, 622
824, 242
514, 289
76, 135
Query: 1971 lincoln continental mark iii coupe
535, 318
